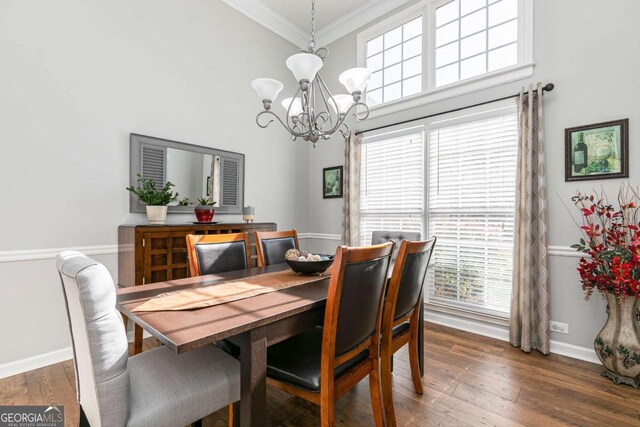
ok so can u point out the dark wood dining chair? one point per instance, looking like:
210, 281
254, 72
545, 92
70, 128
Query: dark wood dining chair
322, 364
272, 245
217, 253
400, 321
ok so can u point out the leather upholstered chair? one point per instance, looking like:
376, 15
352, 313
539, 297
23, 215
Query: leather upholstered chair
378, 237
272, 245
155, 388
322, 364
217, 253
400, 321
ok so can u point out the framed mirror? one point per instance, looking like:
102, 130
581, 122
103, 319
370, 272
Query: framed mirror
195, 170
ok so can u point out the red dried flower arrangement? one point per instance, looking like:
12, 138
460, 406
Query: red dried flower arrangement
612, 242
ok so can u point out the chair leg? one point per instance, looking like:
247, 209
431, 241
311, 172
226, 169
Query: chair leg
414, 362
83, 422
230, 415
386, 366
327, 414
137, 339
376, 394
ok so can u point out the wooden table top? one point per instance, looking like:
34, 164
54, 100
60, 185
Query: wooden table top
189, 329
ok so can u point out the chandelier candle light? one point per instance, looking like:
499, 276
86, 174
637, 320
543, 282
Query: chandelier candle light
314, 113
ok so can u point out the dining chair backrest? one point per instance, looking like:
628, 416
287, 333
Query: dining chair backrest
354, 300
378, 237
271, 246
100, 346
217, 253
409, 273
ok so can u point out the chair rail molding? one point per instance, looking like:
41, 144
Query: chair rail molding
51, 253
564, 251
320, 236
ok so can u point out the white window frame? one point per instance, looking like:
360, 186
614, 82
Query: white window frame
425, 126
427, 8
471, 114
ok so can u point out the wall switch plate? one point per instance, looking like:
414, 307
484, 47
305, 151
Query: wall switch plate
561, 328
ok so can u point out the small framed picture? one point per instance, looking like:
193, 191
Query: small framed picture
598, 151
332, 182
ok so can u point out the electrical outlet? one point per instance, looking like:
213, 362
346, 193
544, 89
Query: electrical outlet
561, 328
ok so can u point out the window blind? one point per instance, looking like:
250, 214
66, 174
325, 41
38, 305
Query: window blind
471, 204
392, 183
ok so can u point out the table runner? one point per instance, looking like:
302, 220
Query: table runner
228, 291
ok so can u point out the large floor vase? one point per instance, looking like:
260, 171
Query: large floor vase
618, 343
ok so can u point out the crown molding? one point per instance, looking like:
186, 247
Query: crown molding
271, 20
358, 17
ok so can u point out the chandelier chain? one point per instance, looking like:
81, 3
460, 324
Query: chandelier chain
313, 22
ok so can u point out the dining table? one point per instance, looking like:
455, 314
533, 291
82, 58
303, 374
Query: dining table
252, 323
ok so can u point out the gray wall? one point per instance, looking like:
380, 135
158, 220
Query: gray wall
588, 49
77, 76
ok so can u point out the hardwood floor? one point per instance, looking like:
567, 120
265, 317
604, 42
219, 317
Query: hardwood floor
469, 381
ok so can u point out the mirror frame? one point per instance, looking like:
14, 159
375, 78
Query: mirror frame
135, 166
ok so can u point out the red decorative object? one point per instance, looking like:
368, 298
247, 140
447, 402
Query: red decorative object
612, 244
204, 213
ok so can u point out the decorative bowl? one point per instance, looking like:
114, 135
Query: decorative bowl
311, 267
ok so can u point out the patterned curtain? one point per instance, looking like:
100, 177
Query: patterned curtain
529, 322
351, 200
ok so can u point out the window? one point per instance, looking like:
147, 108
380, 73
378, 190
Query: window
392, 183
471, 208
473, 37
437, 49
395, 61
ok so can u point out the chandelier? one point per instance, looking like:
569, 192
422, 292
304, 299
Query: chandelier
314, 113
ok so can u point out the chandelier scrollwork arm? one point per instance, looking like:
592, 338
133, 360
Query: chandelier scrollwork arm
314, 112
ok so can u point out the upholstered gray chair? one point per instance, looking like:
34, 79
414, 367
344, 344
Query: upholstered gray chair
378, 237
155, 388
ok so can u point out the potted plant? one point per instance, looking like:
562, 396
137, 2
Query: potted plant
611, 266
204, 210
155, 199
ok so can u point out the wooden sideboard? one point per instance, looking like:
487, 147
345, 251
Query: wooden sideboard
157, 253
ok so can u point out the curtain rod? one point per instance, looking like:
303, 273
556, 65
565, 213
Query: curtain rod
546, 88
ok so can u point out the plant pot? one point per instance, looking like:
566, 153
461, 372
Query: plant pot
204, 213
618, 343
156, 214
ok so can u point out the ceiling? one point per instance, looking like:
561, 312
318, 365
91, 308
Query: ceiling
291, 19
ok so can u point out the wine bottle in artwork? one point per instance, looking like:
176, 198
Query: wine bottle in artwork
580, 159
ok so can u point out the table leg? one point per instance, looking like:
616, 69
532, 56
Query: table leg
421, 337
137, 339
251, 411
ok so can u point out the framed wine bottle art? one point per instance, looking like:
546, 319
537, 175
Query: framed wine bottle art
597, 151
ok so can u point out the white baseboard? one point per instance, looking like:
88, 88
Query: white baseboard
502, 334
475, 327
582, 353
35, 362
40, 361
